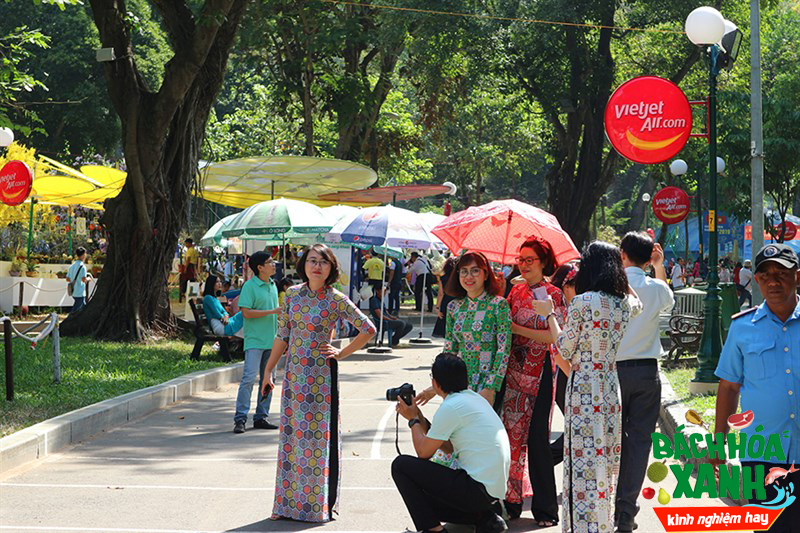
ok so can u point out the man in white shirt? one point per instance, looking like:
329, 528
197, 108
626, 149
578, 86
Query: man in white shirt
423, 280
637, 369
466, 424
678, 276
746, 281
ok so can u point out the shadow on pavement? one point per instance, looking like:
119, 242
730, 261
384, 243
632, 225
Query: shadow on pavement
279, 525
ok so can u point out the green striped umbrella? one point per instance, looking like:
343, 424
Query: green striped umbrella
278, 218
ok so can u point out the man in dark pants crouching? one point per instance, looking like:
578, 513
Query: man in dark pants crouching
468, 426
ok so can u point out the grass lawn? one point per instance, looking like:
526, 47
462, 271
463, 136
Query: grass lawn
91, 371
679, 378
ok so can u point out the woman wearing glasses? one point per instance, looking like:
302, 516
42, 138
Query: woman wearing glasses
307, 482
529, 384
478, 326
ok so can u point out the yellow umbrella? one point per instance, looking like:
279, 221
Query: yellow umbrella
106, 177
250, 180
60, 190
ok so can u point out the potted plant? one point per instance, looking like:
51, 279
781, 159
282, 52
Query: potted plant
31, 265
98, 258
17, 267
62, 274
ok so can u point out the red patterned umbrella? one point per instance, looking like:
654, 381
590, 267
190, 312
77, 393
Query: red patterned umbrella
499, 228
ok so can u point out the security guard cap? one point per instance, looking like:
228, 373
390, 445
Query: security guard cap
779, 253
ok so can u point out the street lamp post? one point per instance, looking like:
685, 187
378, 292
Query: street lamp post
706, 27
6, 137
646, 200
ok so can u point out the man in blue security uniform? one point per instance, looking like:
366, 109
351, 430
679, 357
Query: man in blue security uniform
761, 361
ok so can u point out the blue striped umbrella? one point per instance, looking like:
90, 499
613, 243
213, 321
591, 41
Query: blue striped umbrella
389, 225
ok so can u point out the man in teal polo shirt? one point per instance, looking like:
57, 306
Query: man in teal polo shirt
258, 302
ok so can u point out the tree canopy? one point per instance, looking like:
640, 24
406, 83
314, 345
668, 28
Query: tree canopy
505, 99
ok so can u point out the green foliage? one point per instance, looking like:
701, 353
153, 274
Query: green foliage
91, 371
17, 46
66, 91
781, 117
679, 379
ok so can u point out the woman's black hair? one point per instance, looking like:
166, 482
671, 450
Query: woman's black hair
450, 372
449, 266
601, 270
565, 271
210, 288
327, 254
284, 284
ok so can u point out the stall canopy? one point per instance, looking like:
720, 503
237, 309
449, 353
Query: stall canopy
386, 195
55, 183
250, 180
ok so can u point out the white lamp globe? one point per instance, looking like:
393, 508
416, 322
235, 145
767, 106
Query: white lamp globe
705, 25
452, 187
6, 137
720, 165
646, 197
678, 167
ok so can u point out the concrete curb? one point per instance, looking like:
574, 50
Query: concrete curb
673, 414
51, 436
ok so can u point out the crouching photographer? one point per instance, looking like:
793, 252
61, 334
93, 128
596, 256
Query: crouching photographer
470, 494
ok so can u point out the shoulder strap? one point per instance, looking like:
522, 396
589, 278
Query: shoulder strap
743, 313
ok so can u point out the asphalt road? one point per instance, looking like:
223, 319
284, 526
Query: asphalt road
182, 469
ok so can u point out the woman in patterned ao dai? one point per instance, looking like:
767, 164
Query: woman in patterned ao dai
478, 326
309, 457
587, 350
529, 394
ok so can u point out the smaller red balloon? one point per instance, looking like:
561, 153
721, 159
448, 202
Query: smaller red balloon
648, 493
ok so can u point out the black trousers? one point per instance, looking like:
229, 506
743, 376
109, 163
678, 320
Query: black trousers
789, 520
557, 446
544, 503
399, 329
640, 392
434, 493
394, 299
425, 282
745, 294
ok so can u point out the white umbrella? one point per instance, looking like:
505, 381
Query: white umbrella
214, 234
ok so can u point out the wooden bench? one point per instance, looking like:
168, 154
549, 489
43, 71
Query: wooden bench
203, 333
685, 333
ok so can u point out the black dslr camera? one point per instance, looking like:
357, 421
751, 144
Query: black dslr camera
404, 391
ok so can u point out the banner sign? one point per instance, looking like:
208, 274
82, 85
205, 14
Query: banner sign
16, 180
671, 205
791, 232
716, 518
648, 119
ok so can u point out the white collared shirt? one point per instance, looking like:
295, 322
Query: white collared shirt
642, 339
677, 272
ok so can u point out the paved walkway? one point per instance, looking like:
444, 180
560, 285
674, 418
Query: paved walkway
182, 469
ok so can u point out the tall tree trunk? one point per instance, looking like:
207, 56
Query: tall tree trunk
162, 135
576, 186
